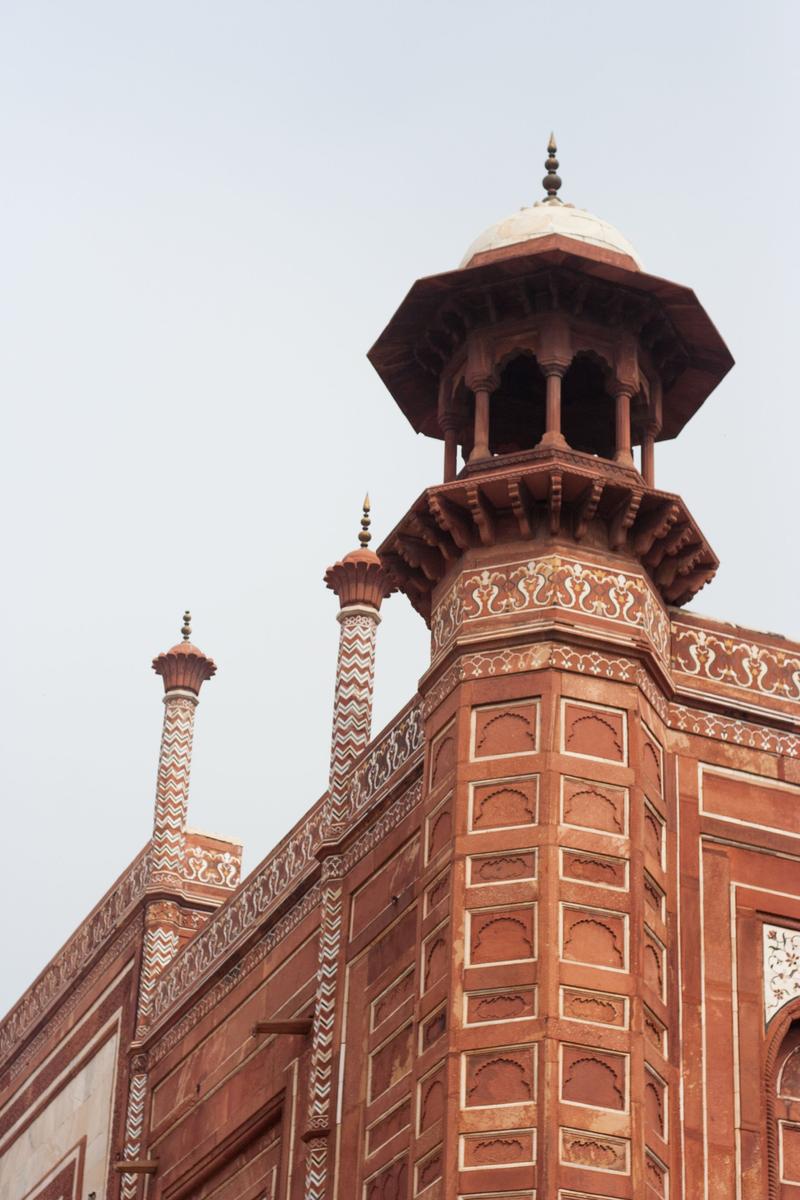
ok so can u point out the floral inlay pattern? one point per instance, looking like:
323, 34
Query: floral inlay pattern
553, 582
781, 967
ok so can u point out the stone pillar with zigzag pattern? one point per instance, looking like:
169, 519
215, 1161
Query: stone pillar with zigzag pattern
361, 584
183, 669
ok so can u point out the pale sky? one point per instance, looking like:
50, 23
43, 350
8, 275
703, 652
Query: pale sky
208, 213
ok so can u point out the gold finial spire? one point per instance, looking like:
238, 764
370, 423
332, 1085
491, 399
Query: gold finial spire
552, 181
186, 628
365, 537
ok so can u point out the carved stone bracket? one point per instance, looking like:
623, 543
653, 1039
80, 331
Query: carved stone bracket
543, 494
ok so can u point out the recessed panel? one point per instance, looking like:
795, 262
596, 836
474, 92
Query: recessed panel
594, 937
594, 731
505, 866
499, 1004
497, 1077
505, 730
504, 803
597, 806
500, 935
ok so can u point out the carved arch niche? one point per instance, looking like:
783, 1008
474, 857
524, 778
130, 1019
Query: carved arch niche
517, 410
782, 1079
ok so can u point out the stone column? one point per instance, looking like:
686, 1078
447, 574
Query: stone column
361, 584
552, 435
480, 449
648, 455
448, 423
623, 427
554, 356
352, 701
183, 669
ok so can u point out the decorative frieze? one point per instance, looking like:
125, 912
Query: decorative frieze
552, 582
218, 868
94, 934
738, 662
563, 657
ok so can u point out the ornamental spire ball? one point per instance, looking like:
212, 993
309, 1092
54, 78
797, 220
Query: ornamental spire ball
365, 537
186, 628
552, 180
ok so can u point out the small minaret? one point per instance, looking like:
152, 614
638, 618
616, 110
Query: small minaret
184, 669
361, 584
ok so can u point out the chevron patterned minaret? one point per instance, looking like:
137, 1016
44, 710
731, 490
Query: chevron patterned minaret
184, 669
361, 585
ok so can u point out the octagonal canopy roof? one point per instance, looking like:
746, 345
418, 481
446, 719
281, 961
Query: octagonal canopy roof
542, 219
547, 244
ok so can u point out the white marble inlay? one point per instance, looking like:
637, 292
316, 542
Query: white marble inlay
781, 967
82, 1108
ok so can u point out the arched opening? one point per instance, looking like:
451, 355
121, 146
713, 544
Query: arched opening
587, 407
783, 1109
517, 407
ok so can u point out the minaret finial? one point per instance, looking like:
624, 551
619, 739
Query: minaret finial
186, 628
552, 181
365, 537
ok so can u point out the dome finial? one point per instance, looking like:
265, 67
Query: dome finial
365, 537
186, 628
552, 181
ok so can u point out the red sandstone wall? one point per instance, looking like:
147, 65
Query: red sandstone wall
568, 961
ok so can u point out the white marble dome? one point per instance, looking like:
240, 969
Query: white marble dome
544, 218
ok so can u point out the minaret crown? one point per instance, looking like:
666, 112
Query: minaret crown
359, 577
184, 666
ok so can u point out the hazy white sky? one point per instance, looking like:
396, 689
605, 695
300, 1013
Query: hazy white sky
207, 214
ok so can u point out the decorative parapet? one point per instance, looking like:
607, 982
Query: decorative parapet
749, 670
294, 860
781, 968
560, 656
736, 665
210, 862
74, 957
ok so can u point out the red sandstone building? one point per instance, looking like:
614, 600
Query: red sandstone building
541, 936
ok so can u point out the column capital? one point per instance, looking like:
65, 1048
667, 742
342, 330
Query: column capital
358, 610
184, 668
483, 381
554, 366
359, 581
179, 693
